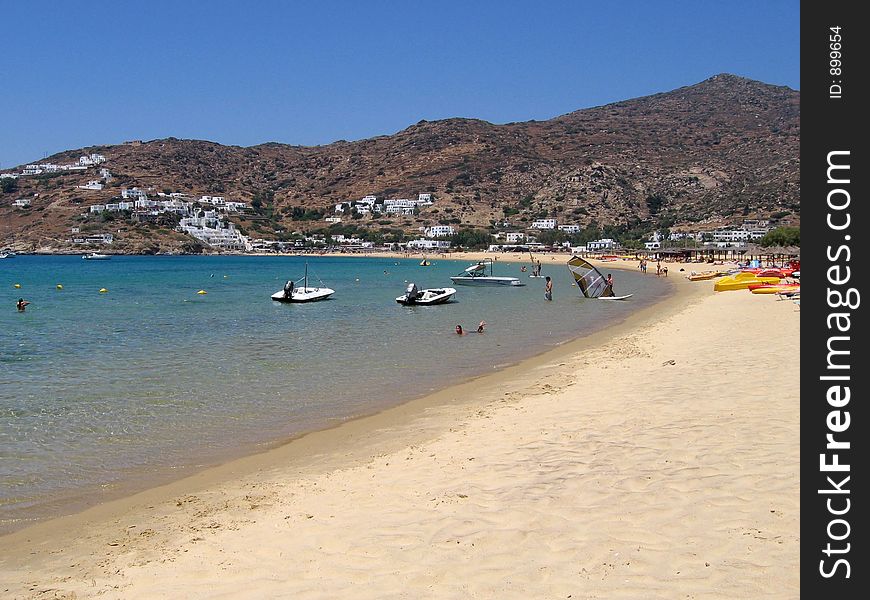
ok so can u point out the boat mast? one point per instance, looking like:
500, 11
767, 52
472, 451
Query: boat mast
305, 281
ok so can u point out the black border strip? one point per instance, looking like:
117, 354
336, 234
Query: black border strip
833, 259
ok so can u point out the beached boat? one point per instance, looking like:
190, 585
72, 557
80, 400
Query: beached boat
427, 297
774, 288
741, 281
705, 275
96, 256
591, 281
476, 275
303, 293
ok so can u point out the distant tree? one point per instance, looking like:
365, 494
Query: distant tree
782, 236
471, 238
552, 237
9, 185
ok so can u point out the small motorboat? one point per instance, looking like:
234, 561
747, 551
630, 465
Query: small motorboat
96, 256
476, 275
427, 297
303, 293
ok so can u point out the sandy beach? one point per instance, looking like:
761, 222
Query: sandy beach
657, 459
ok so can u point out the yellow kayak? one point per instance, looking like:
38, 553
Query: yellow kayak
705, 275
741, 281
776, 289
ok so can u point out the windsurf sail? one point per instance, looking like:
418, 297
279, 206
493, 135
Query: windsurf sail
589, 279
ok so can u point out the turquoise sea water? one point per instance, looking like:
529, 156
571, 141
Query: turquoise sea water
142, 383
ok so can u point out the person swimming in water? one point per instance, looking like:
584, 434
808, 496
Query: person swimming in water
459, 330
21, 304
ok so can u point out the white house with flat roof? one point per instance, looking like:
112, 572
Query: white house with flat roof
440, 231
544, 224
94, 184
133, 193
424, 244
569, 228
602, 244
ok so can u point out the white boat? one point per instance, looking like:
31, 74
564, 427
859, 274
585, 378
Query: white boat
96, 256
476, 275
427, 297
3, 255
303, 293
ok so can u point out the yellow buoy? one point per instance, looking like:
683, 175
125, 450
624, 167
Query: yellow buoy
103, 290
17, 285
59, 286
201, 292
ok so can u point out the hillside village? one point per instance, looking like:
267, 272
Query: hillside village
208, 219
713, 164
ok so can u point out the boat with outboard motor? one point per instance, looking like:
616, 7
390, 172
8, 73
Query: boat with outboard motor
427, 297
96, 256
303, 293
476, 275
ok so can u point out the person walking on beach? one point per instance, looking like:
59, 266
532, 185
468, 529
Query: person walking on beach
21, 304
548, 288
665, 271
658, 268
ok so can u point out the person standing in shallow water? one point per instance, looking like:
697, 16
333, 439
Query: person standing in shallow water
548, 288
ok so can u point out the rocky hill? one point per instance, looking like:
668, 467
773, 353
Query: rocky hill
699, 156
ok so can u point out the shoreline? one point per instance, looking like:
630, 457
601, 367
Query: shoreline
142, 478
34, 553
119, 491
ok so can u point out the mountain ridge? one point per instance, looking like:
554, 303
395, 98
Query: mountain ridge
709, 153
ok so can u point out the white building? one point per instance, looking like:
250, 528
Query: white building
91, 159
22, 202
134, 193
737, 235
211, 230
602, 244
513, 237
97, 208
94, 184
544, 224
144, 203
424, 244
333, 219
425, 198
440, 231
569, 228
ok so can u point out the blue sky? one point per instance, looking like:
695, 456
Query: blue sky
100, 72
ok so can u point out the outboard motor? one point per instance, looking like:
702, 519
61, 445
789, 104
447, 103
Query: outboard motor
411, 292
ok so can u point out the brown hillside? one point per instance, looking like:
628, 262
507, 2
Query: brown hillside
715, 153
